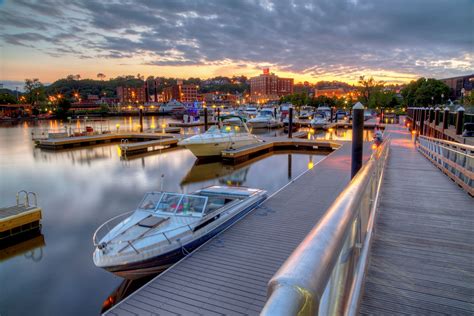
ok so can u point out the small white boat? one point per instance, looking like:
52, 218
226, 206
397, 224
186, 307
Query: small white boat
219, 138
251, 111
171, 106
306, 113
264, 119
165, 227
319, 120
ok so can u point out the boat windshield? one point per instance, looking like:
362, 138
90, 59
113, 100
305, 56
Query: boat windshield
174, 204
266, 113
150, 201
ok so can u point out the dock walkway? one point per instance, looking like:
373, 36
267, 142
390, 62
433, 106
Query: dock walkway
229, 274
422, 256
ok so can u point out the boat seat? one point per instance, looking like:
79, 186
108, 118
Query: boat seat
152, 221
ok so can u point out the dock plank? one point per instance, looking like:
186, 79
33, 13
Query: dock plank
422, 255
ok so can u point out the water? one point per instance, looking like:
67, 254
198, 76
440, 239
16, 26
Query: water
80, 189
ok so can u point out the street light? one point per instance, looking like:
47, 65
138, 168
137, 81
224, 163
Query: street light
442, 98
462, 95
432, 100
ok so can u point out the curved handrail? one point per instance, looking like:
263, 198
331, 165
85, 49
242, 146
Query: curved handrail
297, 288
105, 225
26, 202
34, 197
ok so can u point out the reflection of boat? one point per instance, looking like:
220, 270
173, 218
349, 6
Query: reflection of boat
215, 140
236, 178
264, 119
319, 120
167, 226
207, 171
125, 288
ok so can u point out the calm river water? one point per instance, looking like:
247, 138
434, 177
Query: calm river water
53, 274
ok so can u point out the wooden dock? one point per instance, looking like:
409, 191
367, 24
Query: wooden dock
81, 141
130, 149
18, 219
271, 144
228, 275
422, 255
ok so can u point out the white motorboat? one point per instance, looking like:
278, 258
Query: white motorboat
319, 120
306, 113
251, 111
171, 107
219, 138
264, 119
165, 227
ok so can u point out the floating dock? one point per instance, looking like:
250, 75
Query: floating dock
19, 218
129, 149
274, 144
82, 141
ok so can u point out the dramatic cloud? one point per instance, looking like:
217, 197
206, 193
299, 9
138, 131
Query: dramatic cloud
397, 39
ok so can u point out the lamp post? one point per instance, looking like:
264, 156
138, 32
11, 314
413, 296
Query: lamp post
442, 98
462, 95
432, 101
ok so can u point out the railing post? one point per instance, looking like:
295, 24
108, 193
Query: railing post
459, 120
357, 137
422, 121
445, 119
290, 122
436, 121
436, 116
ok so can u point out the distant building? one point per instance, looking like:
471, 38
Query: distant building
269, 87
131, 95
456, 84
186, 93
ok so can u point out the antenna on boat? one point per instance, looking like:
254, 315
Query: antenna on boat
162, 181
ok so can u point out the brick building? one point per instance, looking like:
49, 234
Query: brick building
269, 87
131, 95
456, 84
186, 93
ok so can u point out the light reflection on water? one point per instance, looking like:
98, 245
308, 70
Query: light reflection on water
78, 190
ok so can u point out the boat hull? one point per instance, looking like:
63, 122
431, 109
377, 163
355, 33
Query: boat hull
160, 263
214, 149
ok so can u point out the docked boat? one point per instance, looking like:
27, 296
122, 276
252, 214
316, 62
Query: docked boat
251, 111
306, 113
264, 119
172, 107
219, 138
165, 227
319, 120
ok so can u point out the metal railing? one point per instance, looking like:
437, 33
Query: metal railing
26, 198
324, 274
454, 159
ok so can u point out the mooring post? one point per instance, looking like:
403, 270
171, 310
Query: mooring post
357, 137
431, 118
140, 116
218, 114
459, 120
275, 112
290, 122
205, 119
332, 114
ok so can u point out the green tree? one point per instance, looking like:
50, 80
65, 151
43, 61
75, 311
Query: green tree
368, 87
424, 92
64, 105
6, 98
34, 91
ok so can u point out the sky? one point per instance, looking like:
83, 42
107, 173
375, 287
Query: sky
391, 40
